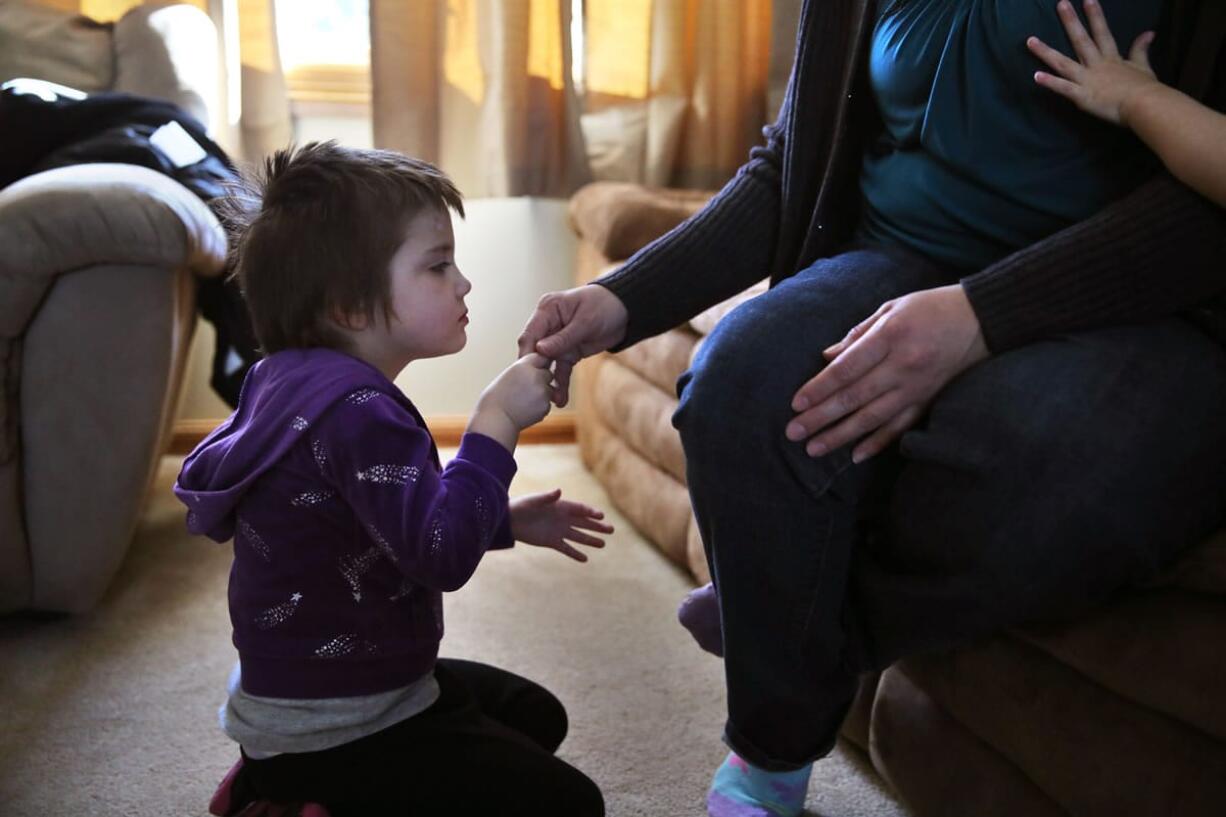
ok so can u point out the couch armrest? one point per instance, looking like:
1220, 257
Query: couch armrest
170, 52
619, 218
73, 217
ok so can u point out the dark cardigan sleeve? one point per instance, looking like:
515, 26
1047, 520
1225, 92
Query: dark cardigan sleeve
719, 251
1155, 252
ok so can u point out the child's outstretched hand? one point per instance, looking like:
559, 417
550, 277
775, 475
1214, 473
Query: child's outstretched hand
1103, 83
549, 521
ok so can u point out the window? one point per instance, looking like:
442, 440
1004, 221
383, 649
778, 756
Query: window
325, 49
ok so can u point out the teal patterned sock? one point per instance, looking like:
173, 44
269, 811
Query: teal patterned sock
741, 790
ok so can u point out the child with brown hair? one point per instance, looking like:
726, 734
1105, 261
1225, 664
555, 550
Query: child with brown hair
346, 528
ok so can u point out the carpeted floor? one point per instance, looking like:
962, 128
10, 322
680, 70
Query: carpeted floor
114, 713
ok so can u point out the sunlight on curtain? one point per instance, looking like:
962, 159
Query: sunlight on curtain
461, 57
257, 35
107, 10
675, 89
263, 101
462, 67
482, 88
545, 57
618, 52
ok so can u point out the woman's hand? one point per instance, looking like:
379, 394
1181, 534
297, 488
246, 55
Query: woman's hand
1103, 83
886, 370
547, 520
568, 326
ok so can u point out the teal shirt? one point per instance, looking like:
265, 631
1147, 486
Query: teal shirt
976, 160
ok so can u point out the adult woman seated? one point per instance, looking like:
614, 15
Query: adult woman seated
970, 399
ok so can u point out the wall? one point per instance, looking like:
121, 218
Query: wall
513, 250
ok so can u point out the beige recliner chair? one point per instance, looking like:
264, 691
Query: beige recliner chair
97, 307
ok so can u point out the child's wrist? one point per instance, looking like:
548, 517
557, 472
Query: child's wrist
1133, 106
496, 424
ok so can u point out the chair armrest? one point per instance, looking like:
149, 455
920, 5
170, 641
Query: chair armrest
79, 216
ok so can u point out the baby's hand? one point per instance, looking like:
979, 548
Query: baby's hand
521, 392
549, 521
1103, 83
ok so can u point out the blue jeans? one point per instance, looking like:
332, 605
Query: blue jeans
1040, 482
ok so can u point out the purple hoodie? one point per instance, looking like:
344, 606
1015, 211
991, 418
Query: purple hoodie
345, 528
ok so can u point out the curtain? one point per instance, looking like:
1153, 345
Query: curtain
256, 94
106, 10
676, 90
482, 88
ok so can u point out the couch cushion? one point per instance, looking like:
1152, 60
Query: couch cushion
651, 499
661, 359
45, 43
1092, 751
640, 414
909, 730
1120, 645
704, 322
619, 218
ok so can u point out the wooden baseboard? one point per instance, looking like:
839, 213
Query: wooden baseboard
187, 434
447, 430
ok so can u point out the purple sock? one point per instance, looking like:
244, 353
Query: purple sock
699, 613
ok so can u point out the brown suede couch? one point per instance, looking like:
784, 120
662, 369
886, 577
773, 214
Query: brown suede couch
1119, 714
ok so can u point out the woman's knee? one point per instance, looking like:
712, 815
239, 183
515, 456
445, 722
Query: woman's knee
740, 383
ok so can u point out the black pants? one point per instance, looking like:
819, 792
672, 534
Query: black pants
1042, 480
484, 748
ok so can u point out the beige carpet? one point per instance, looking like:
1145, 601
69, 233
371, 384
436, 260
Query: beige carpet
114, 713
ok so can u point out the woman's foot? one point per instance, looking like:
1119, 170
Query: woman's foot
699, 613
742, 790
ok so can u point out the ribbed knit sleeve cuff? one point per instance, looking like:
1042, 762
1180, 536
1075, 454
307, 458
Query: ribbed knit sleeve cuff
721, 250
489, 454
1149, 255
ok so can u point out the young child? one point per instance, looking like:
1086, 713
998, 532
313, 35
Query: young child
1187, 136
347, 531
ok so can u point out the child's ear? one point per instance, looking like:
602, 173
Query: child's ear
351, 321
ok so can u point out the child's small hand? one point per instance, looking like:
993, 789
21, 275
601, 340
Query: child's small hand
521, 392
547, 520
1103, 83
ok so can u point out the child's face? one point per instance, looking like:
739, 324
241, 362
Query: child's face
427, 294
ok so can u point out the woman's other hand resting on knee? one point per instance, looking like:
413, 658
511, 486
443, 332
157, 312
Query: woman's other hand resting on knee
1187, 136
887, 369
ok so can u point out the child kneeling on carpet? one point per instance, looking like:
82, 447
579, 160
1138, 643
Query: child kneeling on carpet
347, 530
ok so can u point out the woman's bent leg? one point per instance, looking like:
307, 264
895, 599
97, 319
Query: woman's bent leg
779, 526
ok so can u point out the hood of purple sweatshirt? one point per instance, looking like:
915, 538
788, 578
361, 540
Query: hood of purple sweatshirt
282, 397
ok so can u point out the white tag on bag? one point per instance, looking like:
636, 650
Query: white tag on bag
178, 145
